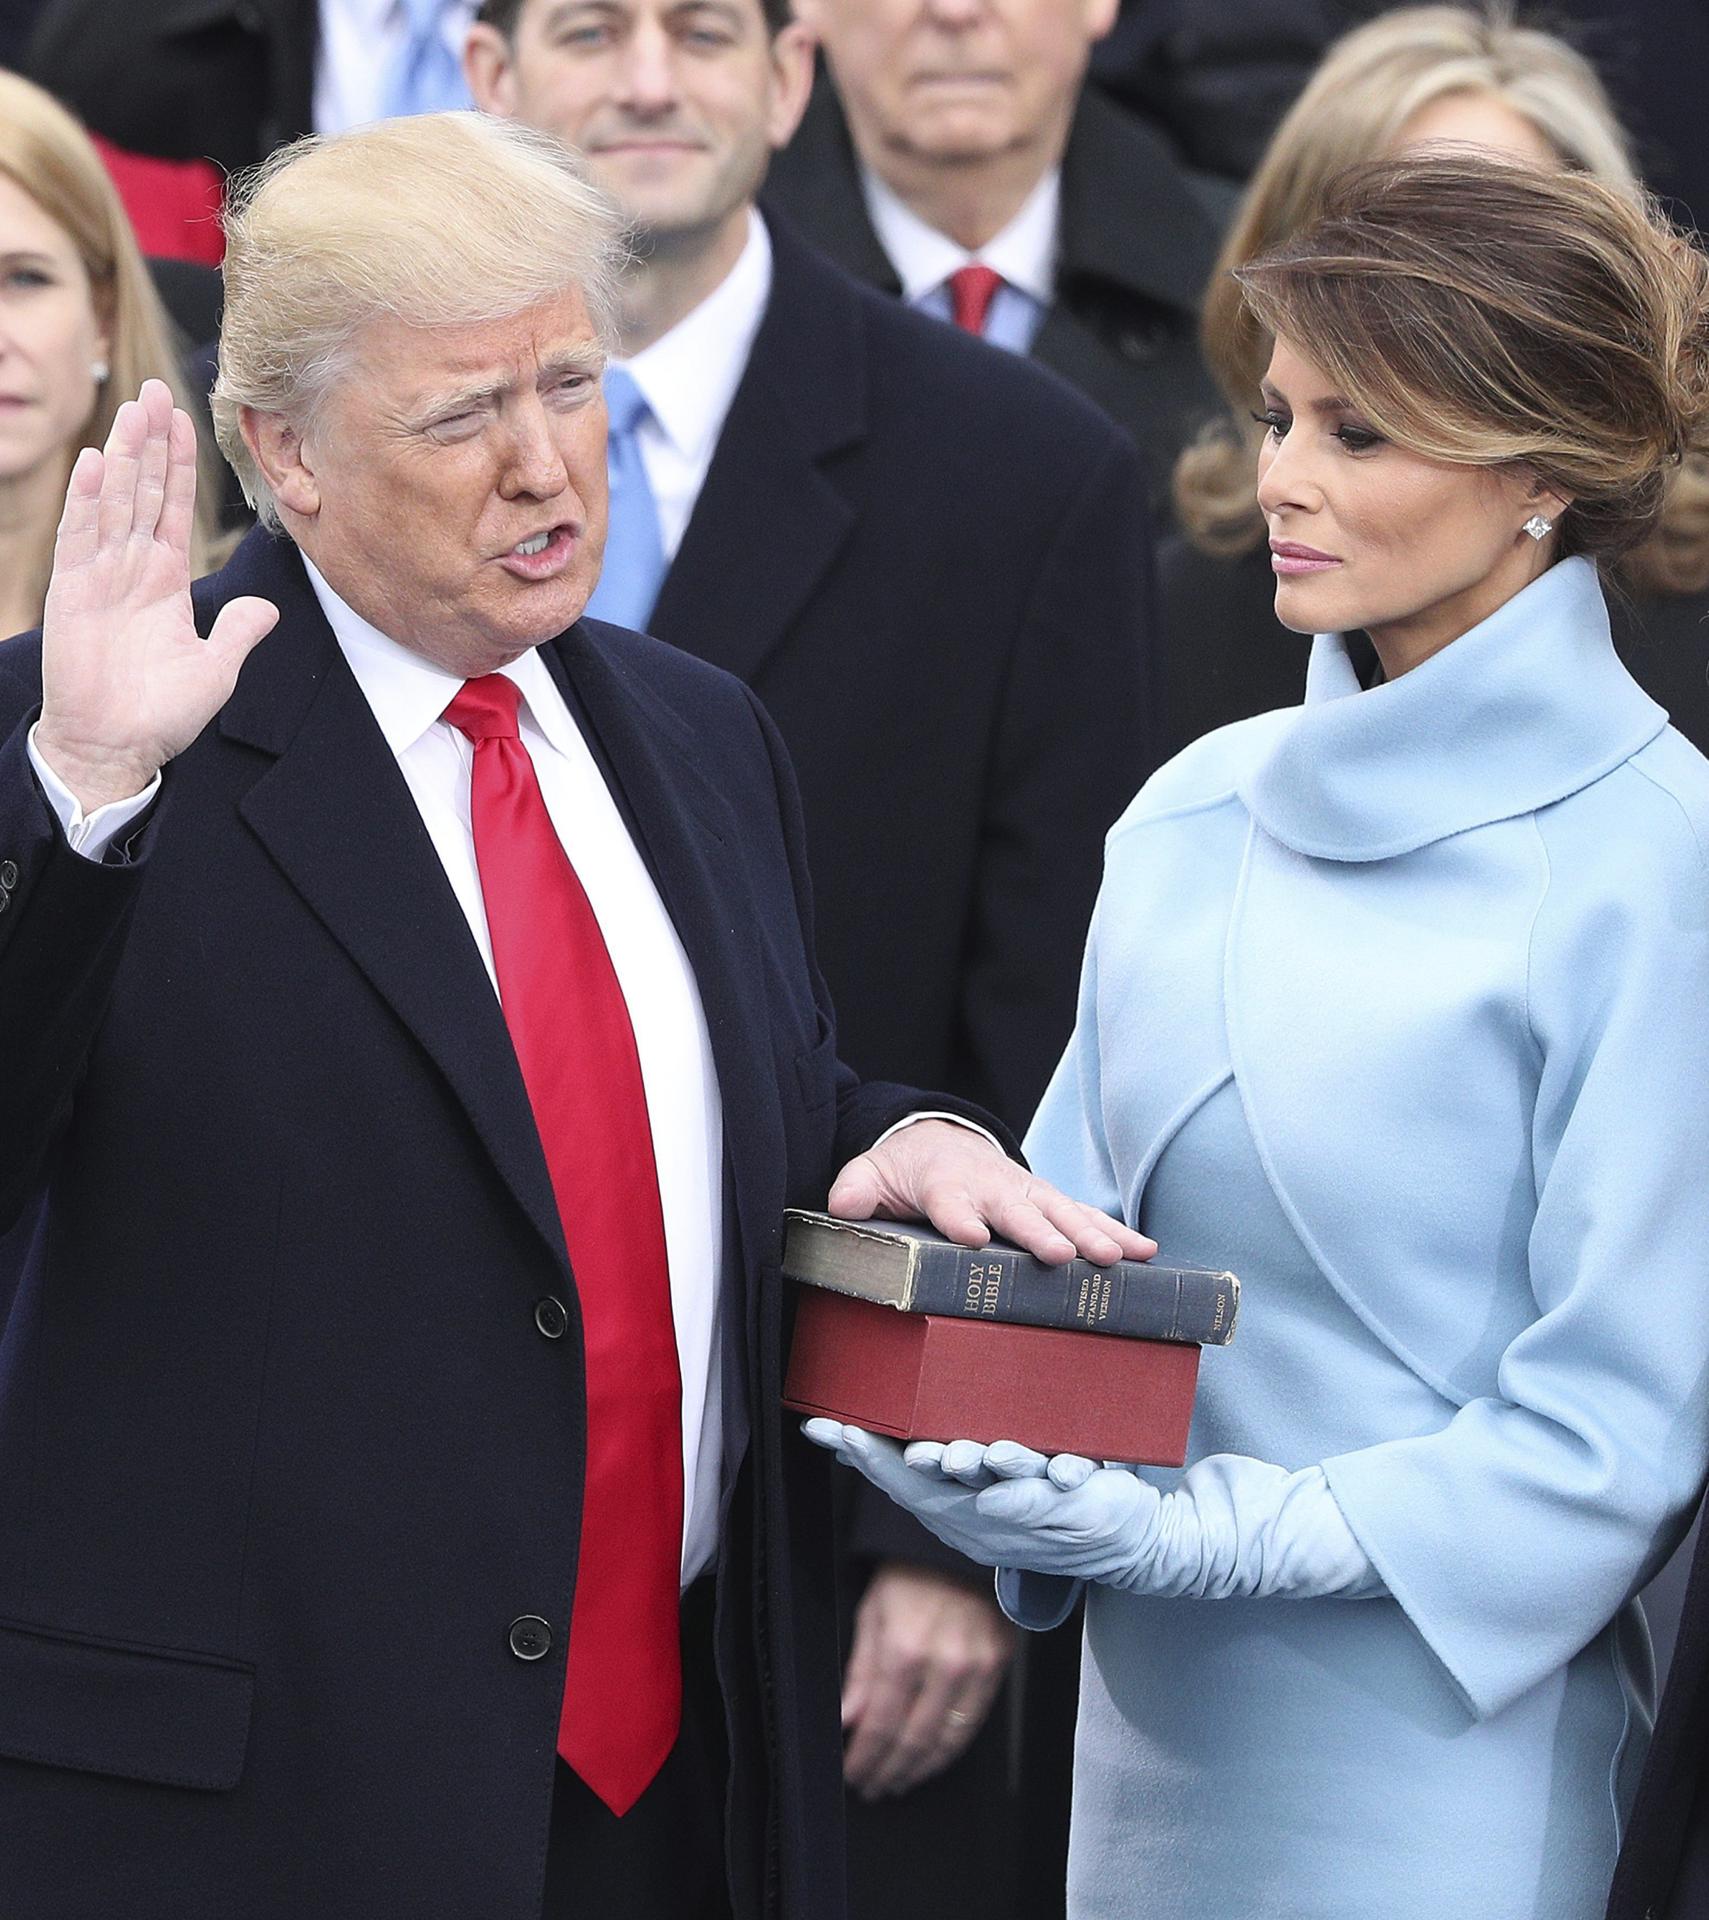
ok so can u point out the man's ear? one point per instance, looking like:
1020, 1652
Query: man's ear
792, 82
489, 66
286, 464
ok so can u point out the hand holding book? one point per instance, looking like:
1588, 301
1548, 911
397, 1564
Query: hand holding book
1232, 1529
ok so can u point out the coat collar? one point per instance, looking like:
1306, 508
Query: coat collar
1529, 706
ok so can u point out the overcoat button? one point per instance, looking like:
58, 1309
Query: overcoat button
5, 899
530, 1637
8, 874
551, 1317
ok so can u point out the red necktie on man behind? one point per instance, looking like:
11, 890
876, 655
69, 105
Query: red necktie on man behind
971, 291
574, 1042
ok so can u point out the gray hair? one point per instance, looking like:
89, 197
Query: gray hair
437, 219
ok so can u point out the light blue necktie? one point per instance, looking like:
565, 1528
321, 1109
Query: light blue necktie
428, 76
634, 549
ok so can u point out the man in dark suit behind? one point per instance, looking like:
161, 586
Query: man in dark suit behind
411, 1051
929, 560
962, 162
222, 80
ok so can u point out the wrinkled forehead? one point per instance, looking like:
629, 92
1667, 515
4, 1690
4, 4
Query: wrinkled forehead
410, 363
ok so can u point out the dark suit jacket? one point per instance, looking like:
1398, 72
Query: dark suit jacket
282, 1452
1663, 1869
931, 562
222, 80
194, 297
1136, 247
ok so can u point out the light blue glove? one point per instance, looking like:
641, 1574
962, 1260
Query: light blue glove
1233, 1528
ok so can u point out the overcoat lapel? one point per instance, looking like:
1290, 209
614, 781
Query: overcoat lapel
336, 817
769, 521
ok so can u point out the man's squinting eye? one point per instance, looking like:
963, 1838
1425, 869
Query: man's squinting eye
454, 426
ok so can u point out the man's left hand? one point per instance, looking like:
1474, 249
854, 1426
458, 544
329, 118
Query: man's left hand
969, 1190
930, 1651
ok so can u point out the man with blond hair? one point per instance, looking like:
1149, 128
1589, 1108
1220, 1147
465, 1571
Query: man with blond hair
412, 1044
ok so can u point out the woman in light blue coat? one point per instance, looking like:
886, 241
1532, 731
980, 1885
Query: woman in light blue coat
1397, 1003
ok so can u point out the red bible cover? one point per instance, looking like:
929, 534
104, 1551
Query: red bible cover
919, 1376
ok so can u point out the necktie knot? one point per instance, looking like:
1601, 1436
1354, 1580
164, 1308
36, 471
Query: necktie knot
485, 709
971, 291
625, 404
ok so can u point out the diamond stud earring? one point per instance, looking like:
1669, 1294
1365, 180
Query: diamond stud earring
1538, 527
99, 372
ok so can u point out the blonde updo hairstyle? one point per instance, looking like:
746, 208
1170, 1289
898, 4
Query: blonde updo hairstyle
1486, 313
46, 153
1355, 108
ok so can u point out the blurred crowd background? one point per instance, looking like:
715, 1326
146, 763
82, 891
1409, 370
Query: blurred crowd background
987, 563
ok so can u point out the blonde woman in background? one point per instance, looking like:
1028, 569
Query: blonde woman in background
1415, 77
81, 328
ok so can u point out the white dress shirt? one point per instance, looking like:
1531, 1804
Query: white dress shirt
408, 695
1024, 253
689, 378
361, 42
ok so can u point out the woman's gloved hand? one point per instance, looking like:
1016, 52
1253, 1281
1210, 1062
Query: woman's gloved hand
1232, 1528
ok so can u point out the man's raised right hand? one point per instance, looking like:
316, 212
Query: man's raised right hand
126, 680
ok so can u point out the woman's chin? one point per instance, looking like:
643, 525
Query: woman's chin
1294, 609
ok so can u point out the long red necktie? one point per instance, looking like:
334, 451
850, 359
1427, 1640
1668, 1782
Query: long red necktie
570, 1027
971, 291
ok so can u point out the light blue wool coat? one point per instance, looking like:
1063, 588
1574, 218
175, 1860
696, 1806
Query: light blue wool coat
1402, 998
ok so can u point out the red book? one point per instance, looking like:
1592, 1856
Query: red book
919, 1376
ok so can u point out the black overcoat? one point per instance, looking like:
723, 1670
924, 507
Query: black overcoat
282, 1450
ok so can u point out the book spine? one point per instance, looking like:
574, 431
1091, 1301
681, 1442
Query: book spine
1139, 1301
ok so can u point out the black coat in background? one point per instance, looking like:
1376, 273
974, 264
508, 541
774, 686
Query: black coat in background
17, 23
1136, 247
282, 1451
220, 80
1219, 74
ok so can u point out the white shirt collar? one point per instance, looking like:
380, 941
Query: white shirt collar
409, 694
690, 375
1024, 253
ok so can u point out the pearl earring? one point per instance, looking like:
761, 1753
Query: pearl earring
99, 372
1538, 527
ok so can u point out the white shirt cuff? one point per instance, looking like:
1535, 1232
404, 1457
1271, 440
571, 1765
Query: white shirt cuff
90, 834
955, 1120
